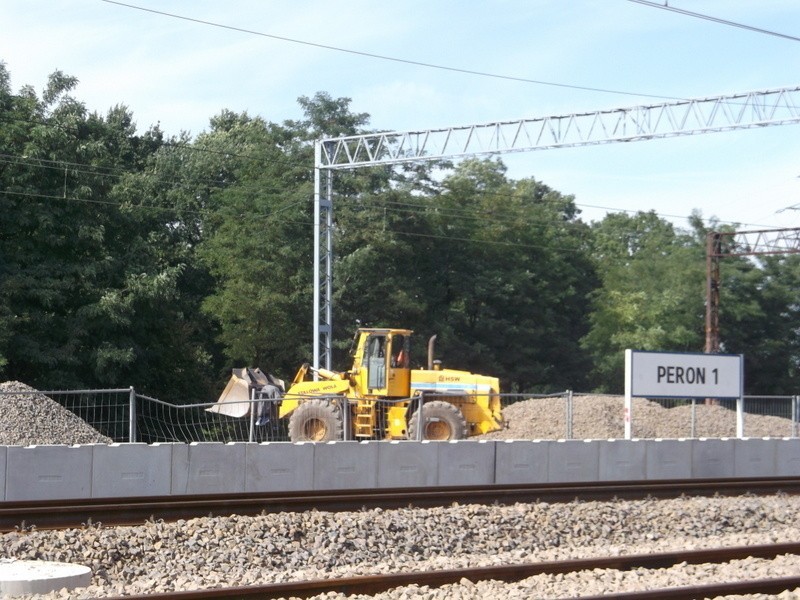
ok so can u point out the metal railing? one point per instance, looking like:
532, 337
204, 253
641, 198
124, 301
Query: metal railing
122, 415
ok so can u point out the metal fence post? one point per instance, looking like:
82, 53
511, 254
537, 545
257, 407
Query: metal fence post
795, 401
131, 415
740, 417
569, 414
344, 404
693, 425
420, 419
251, 433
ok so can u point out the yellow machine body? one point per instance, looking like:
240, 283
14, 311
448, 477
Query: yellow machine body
382, 391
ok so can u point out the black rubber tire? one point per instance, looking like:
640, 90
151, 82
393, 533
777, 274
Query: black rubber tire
443, 421
315, 421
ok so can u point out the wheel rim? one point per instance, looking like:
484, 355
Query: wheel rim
437, 430
315, 430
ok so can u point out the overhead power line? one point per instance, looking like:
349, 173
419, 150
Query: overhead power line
409, 207
417, 63
689, 13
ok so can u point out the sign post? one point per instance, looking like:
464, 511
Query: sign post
683, 375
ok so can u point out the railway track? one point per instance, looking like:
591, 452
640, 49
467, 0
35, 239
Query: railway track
375, 584
61, 514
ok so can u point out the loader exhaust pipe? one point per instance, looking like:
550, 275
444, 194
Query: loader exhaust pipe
431, 344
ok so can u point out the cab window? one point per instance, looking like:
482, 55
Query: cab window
400, 350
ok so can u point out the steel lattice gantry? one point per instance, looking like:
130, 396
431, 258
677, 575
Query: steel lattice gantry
653, 121
739, 243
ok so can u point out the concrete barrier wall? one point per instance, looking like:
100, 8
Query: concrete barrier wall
787, 457
116, 470
3, 462
48, 472
713, 458
346, 466
522, 461
120, 470
669, 459
208, 468
753, 457
407, 464
622, 460
462, 464
278, 467
573, 460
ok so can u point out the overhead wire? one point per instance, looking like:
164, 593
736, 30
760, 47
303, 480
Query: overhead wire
141, 207
116, 171
395, 59
372, 55
466, 213
267, 216
408, 207
474, 215
503, 214
666, 6
276, 160
82, 168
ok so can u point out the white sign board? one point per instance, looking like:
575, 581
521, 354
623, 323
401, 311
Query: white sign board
684, 375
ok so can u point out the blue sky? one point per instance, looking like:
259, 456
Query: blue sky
180, 73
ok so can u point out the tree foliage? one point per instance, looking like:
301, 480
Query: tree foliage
650, 296
137, 259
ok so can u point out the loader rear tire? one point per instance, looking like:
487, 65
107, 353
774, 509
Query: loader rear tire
315, 421
442, 421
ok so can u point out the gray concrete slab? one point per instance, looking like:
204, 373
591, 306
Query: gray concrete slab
466, 462
712, 458
407, 464
345, 465
208, 468
131, 470
755, 457
279, 467
521, 461
574, 460
787, 457
623, 460
48, 472
669, 459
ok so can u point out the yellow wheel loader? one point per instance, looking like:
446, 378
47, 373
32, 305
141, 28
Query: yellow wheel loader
378, 398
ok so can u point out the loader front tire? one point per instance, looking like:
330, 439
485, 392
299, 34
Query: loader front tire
315, 421
442, 421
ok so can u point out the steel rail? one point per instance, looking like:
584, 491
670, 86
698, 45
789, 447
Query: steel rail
774, 586
60, 514
374, 584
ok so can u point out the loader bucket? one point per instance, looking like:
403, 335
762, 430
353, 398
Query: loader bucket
235, 398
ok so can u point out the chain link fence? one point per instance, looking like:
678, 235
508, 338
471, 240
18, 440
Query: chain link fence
122, 415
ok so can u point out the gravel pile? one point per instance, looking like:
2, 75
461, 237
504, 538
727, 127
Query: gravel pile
28, 417
238, 550
601, 417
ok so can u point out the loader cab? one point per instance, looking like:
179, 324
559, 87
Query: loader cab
382, 362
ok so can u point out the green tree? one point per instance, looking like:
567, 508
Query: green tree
760, 319
651, 294
94, 256
510, 278
496, 268
259, 242
57, 228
